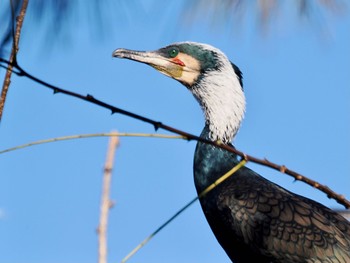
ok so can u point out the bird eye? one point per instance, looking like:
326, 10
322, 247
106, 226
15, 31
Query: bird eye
173, 52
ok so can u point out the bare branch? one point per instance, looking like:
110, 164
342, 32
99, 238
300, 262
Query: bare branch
7, 80
157, 125
82, 136
106, 203
203, 193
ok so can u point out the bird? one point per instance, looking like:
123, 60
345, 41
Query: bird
252, 218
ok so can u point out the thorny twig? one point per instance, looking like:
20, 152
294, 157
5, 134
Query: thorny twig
159, 125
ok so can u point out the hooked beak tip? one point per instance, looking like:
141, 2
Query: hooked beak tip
118, 53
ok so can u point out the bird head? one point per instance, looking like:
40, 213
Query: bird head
185, 61
177, 61
215, 82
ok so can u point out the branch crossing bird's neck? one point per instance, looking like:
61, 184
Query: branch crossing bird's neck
222, 99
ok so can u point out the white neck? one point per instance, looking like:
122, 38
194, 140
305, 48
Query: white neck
222, 99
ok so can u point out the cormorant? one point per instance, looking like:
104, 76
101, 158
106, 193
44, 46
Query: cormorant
253, 219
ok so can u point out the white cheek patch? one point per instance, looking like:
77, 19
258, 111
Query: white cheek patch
222, 99
191, 70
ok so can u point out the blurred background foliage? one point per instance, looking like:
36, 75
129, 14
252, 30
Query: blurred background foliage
65, 16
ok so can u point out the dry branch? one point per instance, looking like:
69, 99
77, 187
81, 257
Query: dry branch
7, 80
203, 193
91, 135
106, 203
158, 125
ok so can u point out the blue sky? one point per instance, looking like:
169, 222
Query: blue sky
296, 80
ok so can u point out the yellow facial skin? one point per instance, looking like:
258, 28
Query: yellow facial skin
172, 70
183, 67
190, 70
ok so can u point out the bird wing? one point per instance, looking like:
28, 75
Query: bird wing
283, 225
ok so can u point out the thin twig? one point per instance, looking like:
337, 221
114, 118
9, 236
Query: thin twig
82, 136
202, 194
157, 125
106, 203
7, 80
344, 213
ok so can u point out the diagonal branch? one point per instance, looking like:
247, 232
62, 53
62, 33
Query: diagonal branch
203, 193
157, 125
7, 80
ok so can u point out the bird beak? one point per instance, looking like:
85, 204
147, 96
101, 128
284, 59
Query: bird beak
167, 66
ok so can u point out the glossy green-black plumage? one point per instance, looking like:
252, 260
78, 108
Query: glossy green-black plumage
255, 220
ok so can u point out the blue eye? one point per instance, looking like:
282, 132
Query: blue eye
173, 52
